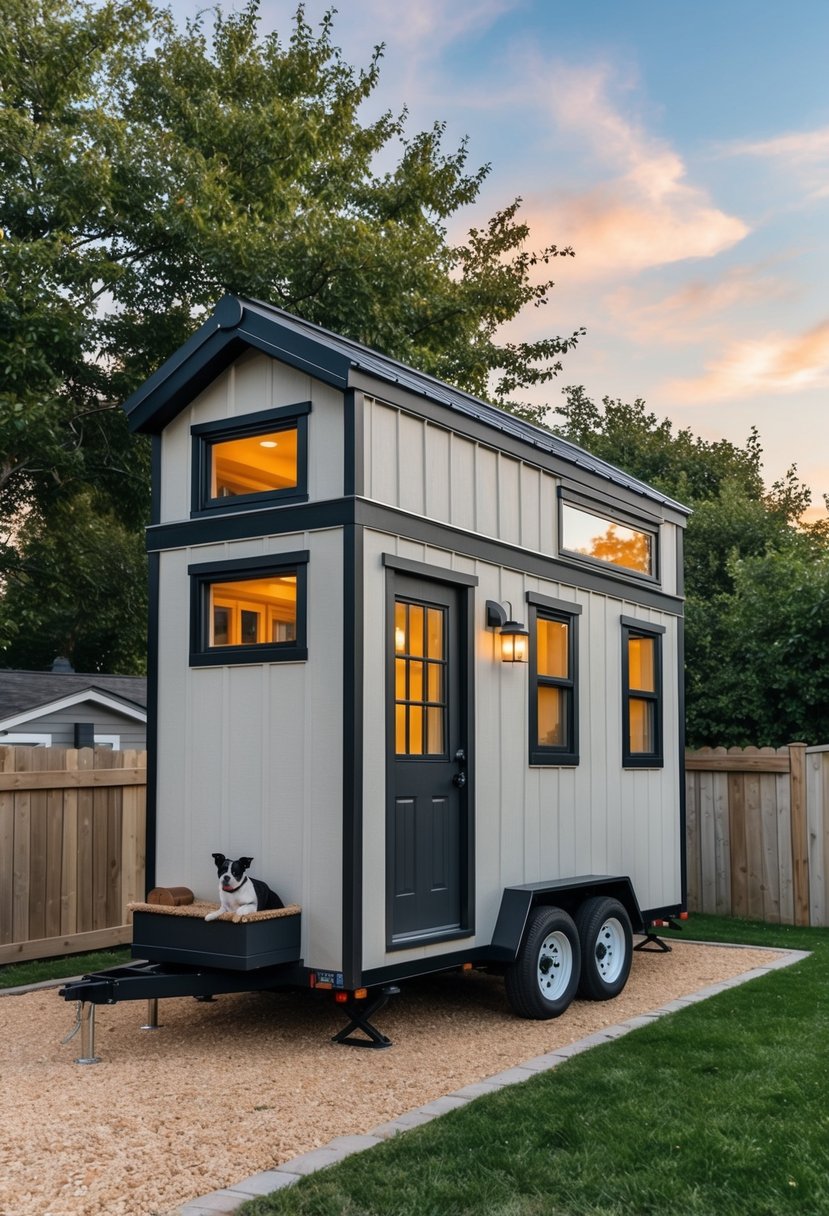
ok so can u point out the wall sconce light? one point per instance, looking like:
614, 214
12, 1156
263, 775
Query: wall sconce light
514, 637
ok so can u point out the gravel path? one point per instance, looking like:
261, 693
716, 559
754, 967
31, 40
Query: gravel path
249, 1081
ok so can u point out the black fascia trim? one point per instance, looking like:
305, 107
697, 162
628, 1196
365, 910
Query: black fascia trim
334, 513
354, 479
205, 434
304, 354
152, 720
182, 378
548, 601
554, 757
599, 511
352, 810
204, 573
155, 479
437, 574
680, 561
273, 520
656, 758
583, 479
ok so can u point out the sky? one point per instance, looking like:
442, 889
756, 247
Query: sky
681, 147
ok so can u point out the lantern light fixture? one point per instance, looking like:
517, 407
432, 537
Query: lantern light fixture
513, 635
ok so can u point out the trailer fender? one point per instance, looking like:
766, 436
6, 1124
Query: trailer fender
566, 893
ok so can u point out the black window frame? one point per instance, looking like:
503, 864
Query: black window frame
547, 608
206, 435
632, 628
204, 574
646, 524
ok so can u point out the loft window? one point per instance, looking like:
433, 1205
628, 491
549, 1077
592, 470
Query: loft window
249, 461
553, 680
641, 694
600, 538
248, 611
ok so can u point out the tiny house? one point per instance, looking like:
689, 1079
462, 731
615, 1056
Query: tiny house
420, 659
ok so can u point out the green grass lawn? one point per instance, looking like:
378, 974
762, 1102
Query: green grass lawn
718, 1110
12, 975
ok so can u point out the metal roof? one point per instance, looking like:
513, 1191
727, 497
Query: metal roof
239, 321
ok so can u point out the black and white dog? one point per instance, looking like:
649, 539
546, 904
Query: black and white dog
239, 893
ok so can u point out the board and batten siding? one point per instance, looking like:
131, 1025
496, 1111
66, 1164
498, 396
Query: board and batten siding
254, 383
430, 471
250, 755
534, 823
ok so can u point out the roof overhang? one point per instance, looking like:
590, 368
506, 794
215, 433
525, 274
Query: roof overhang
95, 696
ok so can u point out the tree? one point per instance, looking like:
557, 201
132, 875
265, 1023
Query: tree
757, 595
146, 169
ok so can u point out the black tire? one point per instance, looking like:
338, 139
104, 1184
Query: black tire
543, 980
606, 948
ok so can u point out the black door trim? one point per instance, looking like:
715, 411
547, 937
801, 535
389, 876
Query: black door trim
466, 710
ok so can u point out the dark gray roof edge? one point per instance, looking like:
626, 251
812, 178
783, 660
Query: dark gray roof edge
384, 367
152, 405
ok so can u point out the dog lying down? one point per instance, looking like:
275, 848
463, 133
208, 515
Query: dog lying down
240, 894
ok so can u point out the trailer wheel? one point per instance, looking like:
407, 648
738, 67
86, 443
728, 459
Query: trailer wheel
543, 980
606, 948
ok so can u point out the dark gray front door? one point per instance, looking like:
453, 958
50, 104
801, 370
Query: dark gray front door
427, 761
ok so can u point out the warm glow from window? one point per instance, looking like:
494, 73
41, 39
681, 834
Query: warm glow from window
641, 721
606, 541
258, 464
253, 612
552, 648
552, 724
641, 665
419, 679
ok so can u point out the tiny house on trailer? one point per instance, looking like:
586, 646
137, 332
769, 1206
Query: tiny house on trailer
420, 659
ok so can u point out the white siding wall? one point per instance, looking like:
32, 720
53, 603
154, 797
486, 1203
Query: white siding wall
534, 823
255, 382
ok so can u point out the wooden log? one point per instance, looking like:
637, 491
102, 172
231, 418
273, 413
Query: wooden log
170, 897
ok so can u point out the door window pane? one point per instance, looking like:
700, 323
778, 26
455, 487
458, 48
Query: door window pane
419, 679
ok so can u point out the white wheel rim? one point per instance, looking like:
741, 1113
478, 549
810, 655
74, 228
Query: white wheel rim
610, 950
555, 965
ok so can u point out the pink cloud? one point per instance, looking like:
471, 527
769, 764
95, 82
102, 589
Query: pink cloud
644, 212
693, 313
777, 363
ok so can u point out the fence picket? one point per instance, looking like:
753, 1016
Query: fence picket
71, 848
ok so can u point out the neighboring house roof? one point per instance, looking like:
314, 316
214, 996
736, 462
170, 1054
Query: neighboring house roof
238, 324
27, 695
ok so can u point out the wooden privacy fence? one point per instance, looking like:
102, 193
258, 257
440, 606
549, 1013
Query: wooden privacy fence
72, 841
757, 832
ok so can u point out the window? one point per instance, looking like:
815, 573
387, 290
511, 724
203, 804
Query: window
246, 462
553, 680
641, 694
419, 679
587, 534
248, 611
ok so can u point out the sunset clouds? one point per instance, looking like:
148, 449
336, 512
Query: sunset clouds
775, 363
643, 211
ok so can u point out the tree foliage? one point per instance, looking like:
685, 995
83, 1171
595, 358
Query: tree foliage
756, 579
145, 169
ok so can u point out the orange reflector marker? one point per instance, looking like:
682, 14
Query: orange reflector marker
341, 997
466, 966
323, 984
683, 916
360, 994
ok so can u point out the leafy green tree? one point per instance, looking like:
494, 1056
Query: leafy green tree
146, 169
755, 577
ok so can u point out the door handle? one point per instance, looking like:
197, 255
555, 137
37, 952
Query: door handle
459, 780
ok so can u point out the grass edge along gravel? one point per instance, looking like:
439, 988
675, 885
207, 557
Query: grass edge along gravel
40, 971
717, 1109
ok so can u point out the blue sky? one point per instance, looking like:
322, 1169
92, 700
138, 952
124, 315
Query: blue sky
682, 149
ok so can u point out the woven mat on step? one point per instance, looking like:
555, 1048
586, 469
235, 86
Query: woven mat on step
201, 907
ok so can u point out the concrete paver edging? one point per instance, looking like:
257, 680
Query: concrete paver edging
229, 1199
